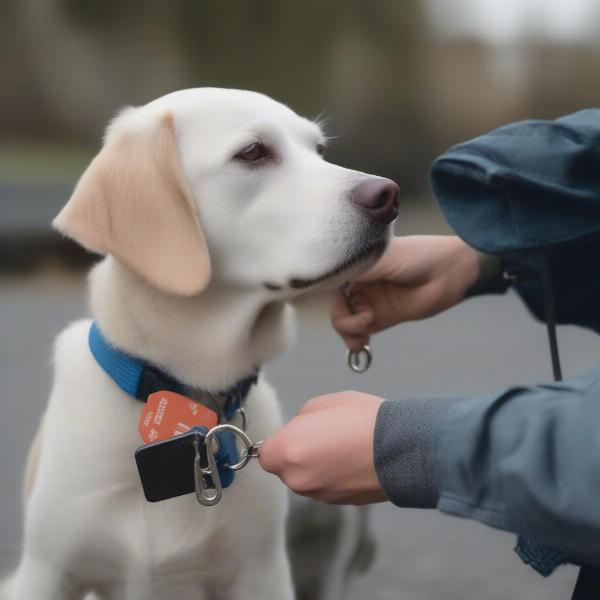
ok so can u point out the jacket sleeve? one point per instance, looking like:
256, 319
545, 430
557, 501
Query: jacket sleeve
525, 460
528, 188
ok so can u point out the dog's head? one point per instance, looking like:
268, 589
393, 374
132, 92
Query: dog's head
230, 186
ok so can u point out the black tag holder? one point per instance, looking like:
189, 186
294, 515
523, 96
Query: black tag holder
166, 468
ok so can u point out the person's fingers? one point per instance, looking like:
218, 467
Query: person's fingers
354, 301
339, 305
353, 325
354, 331
357, 343
314, 457
353, 328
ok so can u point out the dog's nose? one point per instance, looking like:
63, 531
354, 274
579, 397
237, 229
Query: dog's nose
378, 199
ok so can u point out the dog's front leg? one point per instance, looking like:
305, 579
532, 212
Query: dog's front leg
263, 578
44, 581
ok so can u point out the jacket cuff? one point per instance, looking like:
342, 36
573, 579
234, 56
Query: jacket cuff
403, 450
492, 278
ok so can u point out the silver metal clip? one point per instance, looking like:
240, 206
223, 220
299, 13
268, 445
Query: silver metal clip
210, 495
205, 494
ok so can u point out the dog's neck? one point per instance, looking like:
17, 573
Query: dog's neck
208, 341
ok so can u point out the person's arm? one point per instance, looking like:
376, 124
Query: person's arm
418, 276
525, 460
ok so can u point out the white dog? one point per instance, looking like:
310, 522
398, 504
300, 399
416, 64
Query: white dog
214, 209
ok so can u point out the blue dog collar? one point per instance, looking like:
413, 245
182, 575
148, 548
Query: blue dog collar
139, 379
123, 369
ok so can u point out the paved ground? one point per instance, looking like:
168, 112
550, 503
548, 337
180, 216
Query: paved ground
482, 345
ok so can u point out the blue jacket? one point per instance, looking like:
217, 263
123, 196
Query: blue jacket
524, 459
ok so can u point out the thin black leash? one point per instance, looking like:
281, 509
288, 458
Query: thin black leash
550, 317
588, 580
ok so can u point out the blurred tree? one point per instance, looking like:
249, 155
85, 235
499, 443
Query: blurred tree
394, 92
359, 61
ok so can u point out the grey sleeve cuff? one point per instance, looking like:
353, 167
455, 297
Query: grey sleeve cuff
403, 450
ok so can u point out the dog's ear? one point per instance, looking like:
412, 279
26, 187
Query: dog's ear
133, 202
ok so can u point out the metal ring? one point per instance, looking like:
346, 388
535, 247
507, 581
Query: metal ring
242, 413
241, 434
354, 359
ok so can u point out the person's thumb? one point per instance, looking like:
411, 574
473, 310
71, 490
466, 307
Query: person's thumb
269, 457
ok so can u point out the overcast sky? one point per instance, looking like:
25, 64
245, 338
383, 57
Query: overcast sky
506, 21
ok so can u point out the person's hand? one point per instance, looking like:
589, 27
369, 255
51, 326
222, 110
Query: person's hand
326, 452
417, 277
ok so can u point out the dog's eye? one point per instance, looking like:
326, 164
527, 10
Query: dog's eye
252, 153
320, 149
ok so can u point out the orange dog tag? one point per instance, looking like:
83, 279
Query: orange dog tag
167, 414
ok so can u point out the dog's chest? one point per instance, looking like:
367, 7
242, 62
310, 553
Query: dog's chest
169, 542
121, 536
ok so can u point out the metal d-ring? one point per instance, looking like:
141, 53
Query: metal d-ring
354, 359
